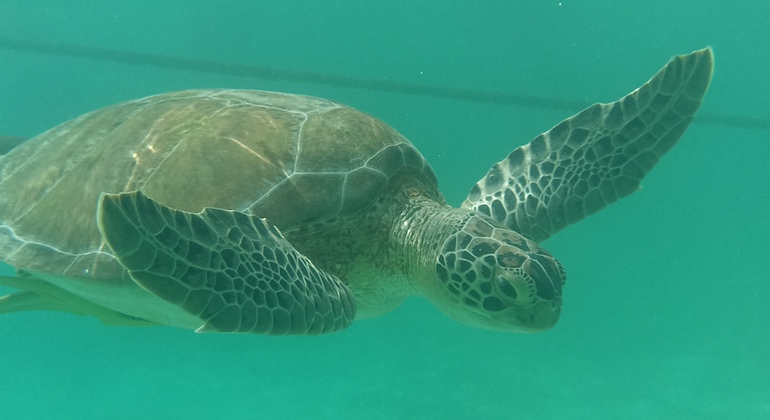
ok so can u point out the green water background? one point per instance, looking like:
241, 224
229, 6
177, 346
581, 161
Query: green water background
666, 312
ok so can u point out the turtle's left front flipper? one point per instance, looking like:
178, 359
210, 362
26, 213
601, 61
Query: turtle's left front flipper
595, 157
235, 272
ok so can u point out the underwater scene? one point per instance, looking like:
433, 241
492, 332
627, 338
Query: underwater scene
666, 306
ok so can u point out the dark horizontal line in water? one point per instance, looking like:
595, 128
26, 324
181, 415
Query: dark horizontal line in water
257, 72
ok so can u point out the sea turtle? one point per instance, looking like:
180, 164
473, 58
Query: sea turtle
258, 212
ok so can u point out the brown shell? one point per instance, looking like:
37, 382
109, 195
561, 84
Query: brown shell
292, 159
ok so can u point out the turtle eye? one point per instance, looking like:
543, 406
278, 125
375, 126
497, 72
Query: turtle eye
506, 288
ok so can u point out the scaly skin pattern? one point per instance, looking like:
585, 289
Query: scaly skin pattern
476, 270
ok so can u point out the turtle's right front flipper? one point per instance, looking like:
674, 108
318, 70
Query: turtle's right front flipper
235, 272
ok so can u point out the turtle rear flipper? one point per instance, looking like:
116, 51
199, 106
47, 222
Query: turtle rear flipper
595, 157
234, 271
8, 143
38, 295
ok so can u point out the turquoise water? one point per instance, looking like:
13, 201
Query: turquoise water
666, 308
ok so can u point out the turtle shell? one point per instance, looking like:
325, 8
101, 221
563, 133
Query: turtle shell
292, 159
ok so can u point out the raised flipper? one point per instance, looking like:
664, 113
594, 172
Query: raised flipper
596, 157
235, 272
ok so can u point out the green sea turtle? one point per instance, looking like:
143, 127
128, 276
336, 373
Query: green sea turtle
259, 212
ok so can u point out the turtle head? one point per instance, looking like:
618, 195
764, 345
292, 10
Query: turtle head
497, 279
